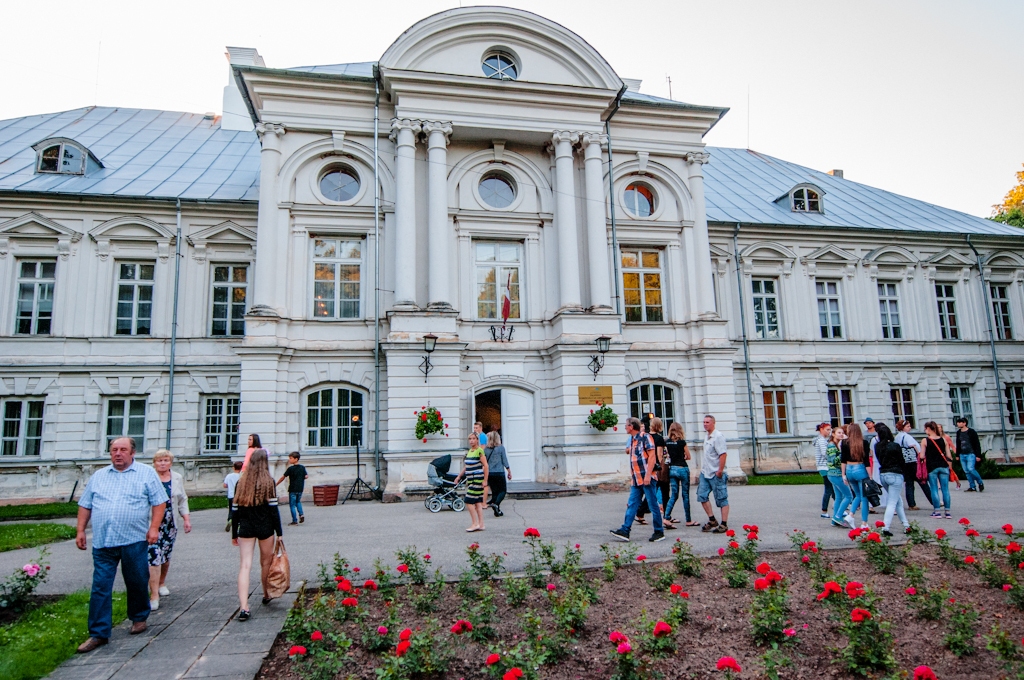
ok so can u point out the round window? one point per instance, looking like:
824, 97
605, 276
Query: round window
639, 200
339, 184
500, 66
497, 190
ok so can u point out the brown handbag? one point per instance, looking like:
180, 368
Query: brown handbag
279, 578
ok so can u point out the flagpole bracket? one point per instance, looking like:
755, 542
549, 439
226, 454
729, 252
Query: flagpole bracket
503, 334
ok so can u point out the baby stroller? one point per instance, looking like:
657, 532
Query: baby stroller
446, 491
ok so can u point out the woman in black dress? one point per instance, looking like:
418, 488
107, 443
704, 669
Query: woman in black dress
255, 519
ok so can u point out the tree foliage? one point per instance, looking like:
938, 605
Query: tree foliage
1011, 210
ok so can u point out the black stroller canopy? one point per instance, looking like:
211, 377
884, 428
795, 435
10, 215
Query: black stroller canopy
442, 464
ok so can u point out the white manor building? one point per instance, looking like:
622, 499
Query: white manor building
510, 159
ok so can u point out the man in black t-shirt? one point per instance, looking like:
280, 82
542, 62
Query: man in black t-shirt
296, 475
968, 448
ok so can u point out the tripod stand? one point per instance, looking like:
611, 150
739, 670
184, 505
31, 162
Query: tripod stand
359, 487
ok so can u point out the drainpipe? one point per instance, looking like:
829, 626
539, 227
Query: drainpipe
746, 343
992, 347
376, 280
174, 325
611, 205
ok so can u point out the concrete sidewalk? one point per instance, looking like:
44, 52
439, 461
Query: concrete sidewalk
192, 635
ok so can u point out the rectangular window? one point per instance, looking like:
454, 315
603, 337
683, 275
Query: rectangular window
903, 404
35, 296
134, 298
336, 274
229, 288
960, 403
1015, 404
1001, 312
641, 285
498, 274
828, 309
947, 311
220, 429
766, 309
840, 406
22, 427
889, 308
127, 418
776, 416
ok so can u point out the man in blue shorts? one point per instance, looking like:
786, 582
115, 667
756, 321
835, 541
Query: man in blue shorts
713, 478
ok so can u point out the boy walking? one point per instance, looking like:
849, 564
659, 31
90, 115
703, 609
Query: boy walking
230, 481
296, 475
642, 482
713, 478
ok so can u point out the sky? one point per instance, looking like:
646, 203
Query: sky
919, 97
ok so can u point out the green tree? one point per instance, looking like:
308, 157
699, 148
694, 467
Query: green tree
1011, 210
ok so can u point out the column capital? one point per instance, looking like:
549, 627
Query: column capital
270, 134
588, 139
560, 136
400, 124
697, 157
436, 132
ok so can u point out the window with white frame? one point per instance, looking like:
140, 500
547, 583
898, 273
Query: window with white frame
889, 308
36, 280
220, 425
334, 417
944, 296
498, 275
337, 264
22, 427
840, 406
766, 309
653, 399
829, 319
903, 404
229, 292
776, 412
1001, 312
960, 403
806, 200
126, 418
1015, 405
134, 298
641, 285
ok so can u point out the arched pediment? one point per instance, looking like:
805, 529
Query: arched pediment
455, 42
528, 175
1005, 259
131, 228
667, 183
767, 250
895, 255
33, 227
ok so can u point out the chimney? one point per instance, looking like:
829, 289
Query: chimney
632, 84
236, 114
836, 173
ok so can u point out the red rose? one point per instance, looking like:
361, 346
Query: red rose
462, 626
734, 544
345, 585
924, 673
512, 674
370, 585
1008, 529
405, 635
402, 648
624, 648
858, 615
730, 533
685, 595
531, 533
297, 650
551, 587
805, 559
1013, 547
761, 584
964, 521
661, 629
493, 659
873, 537
675, 589
641, 558
350, 602
773, 577
970, 533
616, 637
402, 568
854, 589
752, 536
317, 636
969, 559
763, 568
721, 551
426, 558
382, 630
727, 663
879, 524
940, 533
911, 591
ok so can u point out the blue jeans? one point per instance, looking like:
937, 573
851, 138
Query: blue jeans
679, 479
969, 460
134, 561
857, 474
843, 496
636, 493
893, 485
295, 502
829, 493
939, 477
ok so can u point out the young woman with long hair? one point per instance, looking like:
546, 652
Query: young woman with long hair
255, 519
474, 471
835, 476
935, 454
254, 443
911, 451
853, 455
678, 455
890, 465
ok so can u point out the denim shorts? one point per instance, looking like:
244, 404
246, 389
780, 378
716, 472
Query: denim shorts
720, 486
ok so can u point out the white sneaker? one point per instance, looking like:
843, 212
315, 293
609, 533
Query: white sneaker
164, 592
849, 519
154, 604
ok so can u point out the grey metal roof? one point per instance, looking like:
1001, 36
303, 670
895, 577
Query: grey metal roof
742, 185
360, 69
145, 153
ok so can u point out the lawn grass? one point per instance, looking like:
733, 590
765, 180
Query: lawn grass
1011, 472
784, 480
41, 639
207, 502
38, 511
18, 536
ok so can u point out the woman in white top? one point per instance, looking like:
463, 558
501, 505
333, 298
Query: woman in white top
911, 450
160, 552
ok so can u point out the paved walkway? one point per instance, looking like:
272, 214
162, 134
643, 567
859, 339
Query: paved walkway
192, 635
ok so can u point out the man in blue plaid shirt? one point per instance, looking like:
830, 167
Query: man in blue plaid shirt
126, 503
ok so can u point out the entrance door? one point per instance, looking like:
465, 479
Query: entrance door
517, 432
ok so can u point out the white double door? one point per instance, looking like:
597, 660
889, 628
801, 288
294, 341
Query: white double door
518, 433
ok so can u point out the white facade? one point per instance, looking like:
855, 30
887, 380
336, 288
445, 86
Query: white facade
449, 245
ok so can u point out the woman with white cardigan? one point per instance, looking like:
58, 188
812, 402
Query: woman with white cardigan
160, 552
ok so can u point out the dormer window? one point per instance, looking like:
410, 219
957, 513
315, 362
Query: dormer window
500, 66
806, 200
64, 157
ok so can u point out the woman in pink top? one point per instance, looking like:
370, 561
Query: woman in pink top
254, 443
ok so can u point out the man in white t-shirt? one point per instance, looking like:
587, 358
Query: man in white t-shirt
713, 478
230, 481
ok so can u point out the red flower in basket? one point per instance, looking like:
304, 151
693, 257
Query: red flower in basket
859, 615
854, 589
512, 674
964, 521
402, 648
1008, 529
493, 659
317, 636
727, 663
924, 673
763, 568
531, 533
940, 533
969, 559
661, 629
761, 584
297, 650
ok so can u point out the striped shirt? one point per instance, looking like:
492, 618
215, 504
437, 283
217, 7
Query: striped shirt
639, 445
122, 504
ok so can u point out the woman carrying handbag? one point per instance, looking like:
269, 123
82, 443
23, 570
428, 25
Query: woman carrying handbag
935, 458
255, 520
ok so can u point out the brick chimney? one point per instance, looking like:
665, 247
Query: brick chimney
836, 173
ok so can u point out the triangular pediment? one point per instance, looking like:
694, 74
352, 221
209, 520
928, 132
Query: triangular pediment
131, 228
950, 258
831, 253
719, 252
34, 225
226, 232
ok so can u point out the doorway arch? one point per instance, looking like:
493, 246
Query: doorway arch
512, 410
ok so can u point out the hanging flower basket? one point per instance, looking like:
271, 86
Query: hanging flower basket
603, 418
429, 421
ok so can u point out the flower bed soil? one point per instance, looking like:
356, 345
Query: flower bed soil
719, 624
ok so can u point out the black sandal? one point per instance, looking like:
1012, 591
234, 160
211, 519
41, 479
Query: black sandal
244, 615
267, 600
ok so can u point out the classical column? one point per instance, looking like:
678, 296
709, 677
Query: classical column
438, 233
565, 222
701, 244
597, 239
265, 287
404, 132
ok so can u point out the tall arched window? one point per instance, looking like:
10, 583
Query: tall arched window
653, 398
334, 418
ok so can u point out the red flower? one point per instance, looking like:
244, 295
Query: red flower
873, 537
1007, 586
952, 600
405, 635
297, 650
624, 648
338, 578
830, 587
727, 663
317, 636
858, 615
746, 527
616, 637
763, 568
345, 585
661, 629
531, 533
474, 546
805, 559
382, 630
753, 527
761, 584
402, 648
426, 558
854, 589
1008, 529
789, 632
854, 534
493, 659
641, 558
370, 585
403, 568
1021, 565
924, 673
734, 545
970, 533
940, 533
355, 569
964, 521
730, 533
462, 626
752, 536
721, 551
512, 674
879, 524
969, 559
911, 591
773, 577
350, 602
1013, 547
424, 440
685, 595
675, 589
551, 587
808, 545
423, 417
